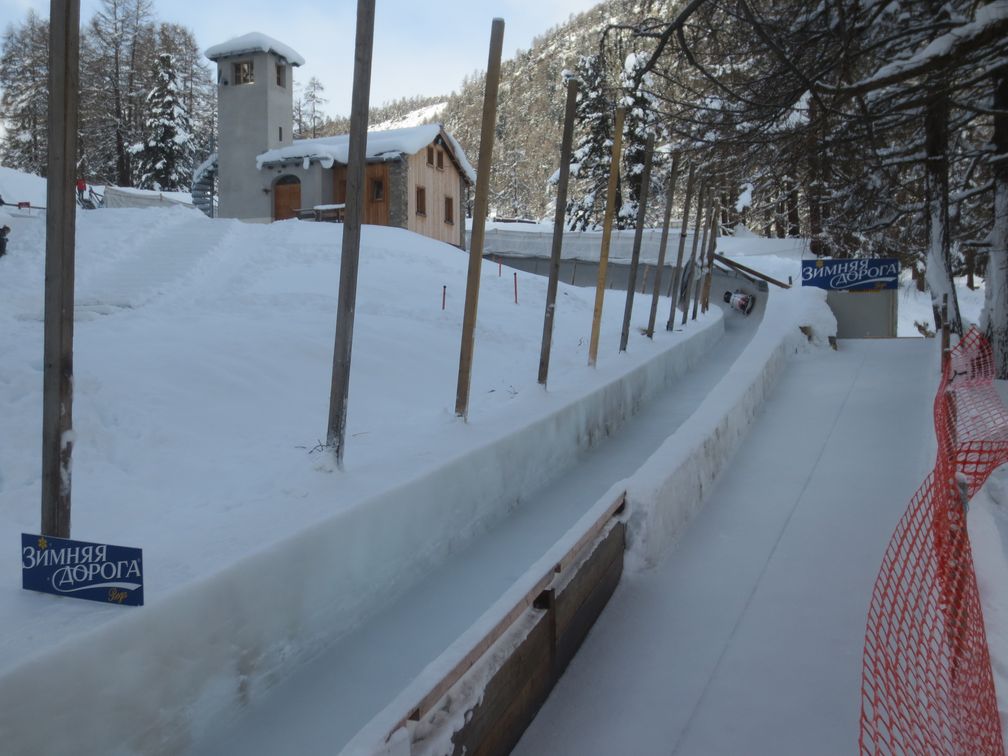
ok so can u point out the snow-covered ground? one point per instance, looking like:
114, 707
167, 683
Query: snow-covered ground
987, 520
747, 637
203, 351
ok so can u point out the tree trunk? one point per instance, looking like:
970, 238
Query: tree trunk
813, 189
793, 225
939, 269
994, 319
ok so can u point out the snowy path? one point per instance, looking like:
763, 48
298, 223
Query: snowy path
340, 691
174, 248
748, 637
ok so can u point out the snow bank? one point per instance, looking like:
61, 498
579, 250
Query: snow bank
217, 641
202, 357
671, 486
988, 533
16, 186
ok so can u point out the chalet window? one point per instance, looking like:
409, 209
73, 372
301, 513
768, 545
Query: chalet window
243, 72
377, 190
280, 133
281, 75
421, 201
430, 156
440, 160
449, 210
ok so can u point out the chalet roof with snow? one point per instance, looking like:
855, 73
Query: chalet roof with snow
252, 43
381, 145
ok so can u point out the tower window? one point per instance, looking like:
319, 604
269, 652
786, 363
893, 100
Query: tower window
280, 133
377, 190
281, 75
440, 160
430, 156
243, 72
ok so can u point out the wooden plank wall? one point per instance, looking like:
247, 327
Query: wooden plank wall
438, 183
376, 213
520, 686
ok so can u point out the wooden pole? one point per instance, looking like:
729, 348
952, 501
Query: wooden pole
638, 238
711, 246
61, 218
559, 219
677, 280
946, 338
607, 222
656, 291
480, 209
698, 266
752, 271
701, 195
357, 151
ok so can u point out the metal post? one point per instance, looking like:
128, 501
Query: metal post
638, 237
558, 228
656, 292
677, 280
61, 218
607, 222
479, 218
356, 158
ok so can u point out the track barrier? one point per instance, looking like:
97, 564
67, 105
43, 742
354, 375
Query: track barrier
927, 684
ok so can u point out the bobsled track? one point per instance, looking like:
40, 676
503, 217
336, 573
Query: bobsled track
335, 695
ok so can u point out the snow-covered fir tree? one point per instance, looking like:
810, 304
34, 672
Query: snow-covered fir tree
641, 120
167, 153
593, 151
24, 67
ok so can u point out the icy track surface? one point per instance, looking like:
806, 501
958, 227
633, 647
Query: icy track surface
747, 637
337, 693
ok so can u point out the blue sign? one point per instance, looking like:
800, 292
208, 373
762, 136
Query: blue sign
856, 274
78, 569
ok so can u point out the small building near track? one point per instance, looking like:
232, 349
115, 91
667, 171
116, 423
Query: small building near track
416, 178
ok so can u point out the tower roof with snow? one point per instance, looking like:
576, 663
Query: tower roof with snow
254, 42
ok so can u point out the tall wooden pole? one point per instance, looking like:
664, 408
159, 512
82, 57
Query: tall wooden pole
656, 292
559, 219
607, 222
61, 218
480, 209
698, 267
677, 280
356, 158
701, 196
638, 238
711, 247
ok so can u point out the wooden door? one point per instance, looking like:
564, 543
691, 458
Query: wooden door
286, 199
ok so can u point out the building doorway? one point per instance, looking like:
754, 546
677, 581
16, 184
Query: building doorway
286, 197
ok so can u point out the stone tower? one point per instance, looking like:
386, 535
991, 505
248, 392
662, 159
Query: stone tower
255, 113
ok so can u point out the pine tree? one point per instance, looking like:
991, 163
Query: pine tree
24, 67
593, 153
312, 107
167, 155
640, 121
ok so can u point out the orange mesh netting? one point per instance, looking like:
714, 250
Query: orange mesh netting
927, 685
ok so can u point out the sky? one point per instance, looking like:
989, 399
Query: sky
419, 48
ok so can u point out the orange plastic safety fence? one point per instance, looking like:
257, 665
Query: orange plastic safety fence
927, 685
